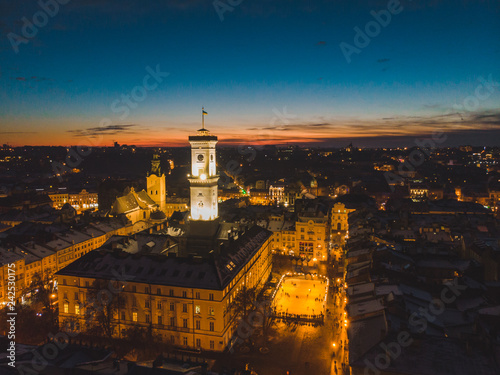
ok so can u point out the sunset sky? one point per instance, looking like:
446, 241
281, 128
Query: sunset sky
265, 71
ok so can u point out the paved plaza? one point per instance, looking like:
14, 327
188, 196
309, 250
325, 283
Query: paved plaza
298, 295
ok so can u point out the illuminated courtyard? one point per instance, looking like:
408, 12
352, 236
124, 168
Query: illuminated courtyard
301, 295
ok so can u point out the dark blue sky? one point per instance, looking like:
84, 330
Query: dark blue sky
271, 71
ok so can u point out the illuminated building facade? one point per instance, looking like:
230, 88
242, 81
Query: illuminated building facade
203, 177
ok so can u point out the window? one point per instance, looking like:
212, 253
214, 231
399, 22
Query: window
134, 316
158, 291
212, 344
160, 320
123, 315
211, 296
184, 323
211, 311
172, 306
171, 292
172, 321
64, 282
184, 308
77, 308
198, 324
66, 307
87, 284
158, 305
184, 341
147, 318
147, 304
198, 343
172, 339
76, 296
146, 290
197, 295
65, 295
134, 301
197, 309
212, 326
184, 294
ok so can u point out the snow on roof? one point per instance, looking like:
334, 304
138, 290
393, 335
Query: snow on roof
7, 256
365, 307
360, 289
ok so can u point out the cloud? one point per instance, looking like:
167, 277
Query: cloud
18, 132
107, 130
393, 126
32, 79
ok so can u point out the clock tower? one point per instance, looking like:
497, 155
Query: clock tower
203, 178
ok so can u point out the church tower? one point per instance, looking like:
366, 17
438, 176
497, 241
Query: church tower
203, 178
156, 186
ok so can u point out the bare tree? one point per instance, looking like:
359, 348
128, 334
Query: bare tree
101, 307
244, 302
42, 289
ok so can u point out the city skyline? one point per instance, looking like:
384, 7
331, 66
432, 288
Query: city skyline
294, 79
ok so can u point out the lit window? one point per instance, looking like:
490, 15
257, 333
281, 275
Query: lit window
66, 308
134, 316
197, 309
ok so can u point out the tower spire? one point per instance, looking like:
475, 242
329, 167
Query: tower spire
203, 113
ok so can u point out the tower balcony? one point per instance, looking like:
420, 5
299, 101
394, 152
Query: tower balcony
200, 180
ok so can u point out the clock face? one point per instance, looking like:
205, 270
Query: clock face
200, 204
200, 157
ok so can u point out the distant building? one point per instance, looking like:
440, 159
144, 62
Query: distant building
81, 201
173, 204
156, 185
134, 206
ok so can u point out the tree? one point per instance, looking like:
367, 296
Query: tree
268, 321
42, 289
244, 302
143, 339
102, 304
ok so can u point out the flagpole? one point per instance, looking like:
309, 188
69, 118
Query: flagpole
202, 118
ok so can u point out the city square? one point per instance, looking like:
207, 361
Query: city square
301, 295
